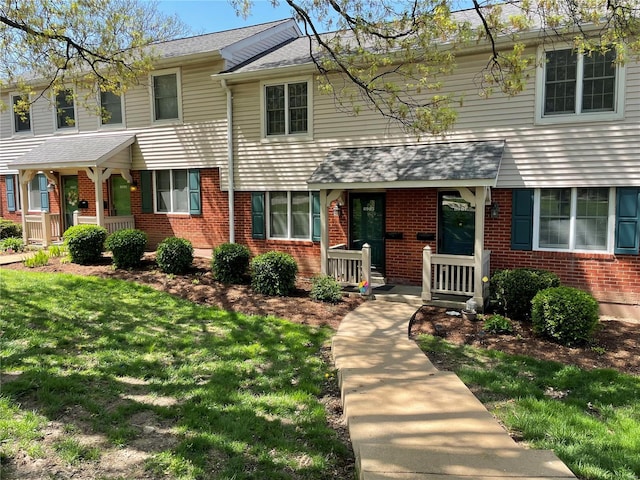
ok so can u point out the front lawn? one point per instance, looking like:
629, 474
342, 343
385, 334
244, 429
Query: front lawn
111, 379
589, 418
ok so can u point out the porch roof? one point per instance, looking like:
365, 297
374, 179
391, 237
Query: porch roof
73, 151
411, 166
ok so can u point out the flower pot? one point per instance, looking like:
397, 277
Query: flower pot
470, 315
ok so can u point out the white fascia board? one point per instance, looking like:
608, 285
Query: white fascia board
411, 184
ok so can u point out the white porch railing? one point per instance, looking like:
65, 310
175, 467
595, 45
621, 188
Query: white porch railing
112, 224
350, 267
452, 274
42, 228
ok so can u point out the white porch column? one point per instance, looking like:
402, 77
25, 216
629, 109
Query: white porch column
478, 250
324, 232
97, 181
426, 273
24, 204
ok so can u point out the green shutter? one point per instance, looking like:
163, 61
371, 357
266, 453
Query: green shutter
11, 193
44, 192
627, 220
258, 225
195, 204
522, 219
315, 212
146, 191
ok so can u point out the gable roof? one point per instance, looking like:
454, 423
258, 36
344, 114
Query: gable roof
436, 164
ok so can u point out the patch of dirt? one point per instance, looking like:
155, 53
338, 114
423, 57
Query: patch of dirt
616, 343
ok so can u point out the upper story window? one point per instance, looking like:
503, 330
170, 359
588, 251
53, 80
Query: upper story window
111, 109
65, 109
21, 116
166, 95
579, 87
573, 219
286, 109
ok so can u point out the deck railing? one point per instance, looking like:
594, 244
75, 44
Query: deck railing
43, 228
451, 274
350, 267
112, 224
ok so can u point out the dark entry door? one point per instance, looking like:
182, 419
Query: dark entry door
70, 198
366, 225
456, 232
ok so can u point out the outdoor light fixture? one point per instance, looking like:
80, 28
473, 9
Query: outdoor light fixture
51, 187
495, 210
337, 210
134, 186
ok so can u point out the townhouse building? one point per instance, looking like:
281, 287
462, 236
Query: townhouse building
229, 139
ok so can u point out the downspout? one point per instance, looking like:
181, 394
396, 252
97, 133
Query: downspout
231, 195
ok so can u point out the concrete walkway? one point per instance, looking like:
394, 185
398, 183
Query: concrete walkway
408, 420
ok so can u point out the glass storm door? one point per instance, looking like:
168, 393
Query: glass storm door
456, 224
367, 225
70, 198
120, 196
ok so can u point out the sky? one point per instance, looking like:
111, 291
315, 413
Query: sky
206, 16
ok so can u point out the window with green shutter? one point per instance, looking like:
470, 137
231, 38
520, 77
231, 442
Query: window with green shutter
627, 221
522, 219
258, 228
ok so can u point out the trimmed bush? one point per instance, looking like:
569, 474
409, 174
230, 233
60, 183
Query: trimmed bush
567, 315
273, 273
230, 262
325, 289
497, 324
9, 228
127, 247
85, 243
11, 244
174, 255
513, 290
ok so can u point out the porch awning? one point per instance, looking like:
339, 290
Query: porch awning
466, 164
75, 152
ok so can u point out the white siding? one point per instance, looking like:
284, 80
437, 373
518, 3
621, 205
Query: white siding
605, 153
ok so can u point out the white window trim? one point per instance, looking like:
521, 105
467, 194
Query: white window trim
289, 237
160, 73
611, 223
13, 119
113, 126
62, 130
542, 119
155, 192
287, 137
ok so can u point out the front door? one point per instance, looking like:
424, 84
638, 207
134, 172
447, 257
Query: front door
120, 196
367, 225
457, 224
70, 197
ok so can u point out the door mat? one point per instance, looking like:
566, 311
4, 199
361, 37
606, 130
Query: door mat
383, 288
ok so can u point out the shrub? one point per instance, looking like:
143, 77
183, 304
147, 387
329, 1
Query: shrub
11, 245
174, 255
513, 290
127, 247
85, 243
273, 273
565, 314
230, 262
9, 228
497, 324
40, 259
325, 289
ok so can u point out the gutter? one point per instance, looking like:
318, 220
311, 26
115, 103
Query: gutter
230, 167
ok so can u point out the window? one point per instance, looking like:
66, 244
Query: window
172, 191
286, 109
290, 215
573, 219
21, 119
580, 86
111, 106
166, 96
38, 193
65, 109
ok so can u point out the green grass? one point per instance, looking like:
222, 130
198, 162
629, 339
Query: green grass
590, 419
236, 395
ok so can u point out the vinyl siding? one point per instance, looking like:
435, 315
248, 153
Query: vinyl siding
571, 154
